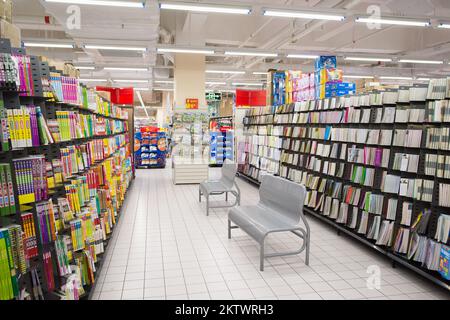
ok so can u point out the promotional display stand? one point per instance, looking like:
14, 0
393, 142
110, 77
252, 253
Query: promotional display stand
150, 149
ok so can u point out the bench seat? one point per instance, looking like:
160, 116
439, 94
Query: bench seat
258, 221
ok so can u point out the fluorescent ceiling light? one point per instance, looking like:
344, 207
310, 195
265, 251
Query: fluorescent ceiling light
125, 69
247, 84
225, 72
302, 15
255, 54
302, 56
92, 80
213, 83
395, 78
141, 89
100, 47
134, 81
102, 3
256, 73
423, 79
49, 45
174, 50
368, 59
84, 68
164, 81
358, 77
409, 23
444, 26
162, 89
205, 8
421, 61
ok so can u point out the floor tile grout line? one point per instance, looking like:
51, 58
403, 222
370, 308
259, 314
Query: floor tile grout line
117, 227
131, 242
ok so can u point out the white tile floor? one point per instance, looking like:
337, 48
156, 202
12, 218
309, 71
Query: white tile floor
165, 247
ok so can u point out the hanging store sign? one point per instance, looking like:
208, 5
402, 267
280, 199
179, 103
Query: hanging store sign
192, 104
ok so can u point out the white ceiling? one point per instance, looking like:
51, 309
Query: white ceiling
148, 27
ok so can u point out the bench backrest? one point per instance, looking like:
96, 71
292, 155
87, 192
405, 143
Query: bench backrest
229, 171
283, 196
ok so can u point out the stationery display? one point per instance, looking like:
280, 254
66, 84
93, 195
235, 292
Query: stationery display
222, 140
387, 185
150, 149
31, 179
65, 169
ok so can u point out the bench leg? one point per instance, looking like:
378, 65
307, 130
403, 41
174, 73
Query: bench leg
307, 251
261, 257
207, 205
226, 196
229, 229
199, 195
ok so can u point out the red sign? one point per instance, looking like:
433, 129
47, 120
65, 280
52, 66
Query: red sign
251, 98
149, 129
192, 104
119, 96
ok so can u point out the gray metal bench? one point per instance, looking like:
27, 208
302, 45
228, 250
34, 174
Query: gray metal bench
226, 184
280, 209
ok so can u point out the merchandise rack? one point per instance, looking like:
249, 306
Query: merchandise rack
226, 136
13, 99
418, 205
154, 155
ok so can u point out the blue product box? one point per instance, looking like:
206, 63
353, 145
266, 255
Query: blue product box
444, 262
348, 86
337, 93
326, 62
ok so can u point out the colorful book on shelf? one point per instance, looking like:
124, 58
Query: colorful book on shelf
8, 277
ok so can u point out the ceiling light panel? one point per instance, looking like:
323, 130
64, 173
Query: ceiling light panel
247, 84
368, 59
92, 80
393, 21
421, 61
131, 81
176, 50
225, 72
123, 4
251, 54
164, 81
84, 68
49, 45
302, 15
358, 77
117, 48
196, 7
395, 78
125, 69
302, 56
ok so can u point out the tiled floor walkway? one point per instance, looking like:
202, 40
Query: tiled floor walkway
166, 248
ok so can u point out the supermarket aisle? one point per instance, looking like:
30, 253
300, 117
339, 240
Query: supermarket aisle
166, 248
